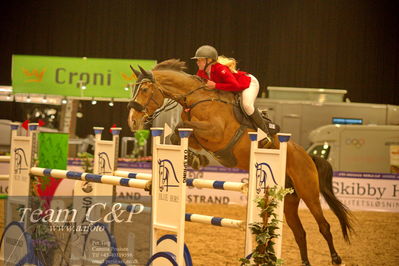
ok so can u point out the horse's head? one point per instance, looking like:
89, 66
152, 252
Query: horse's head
147, 98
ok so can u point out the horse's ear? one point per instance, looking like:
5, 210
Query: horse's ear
136, 72
145, 73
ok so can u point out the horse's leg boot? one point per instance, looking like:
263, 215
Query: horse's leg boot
257, 118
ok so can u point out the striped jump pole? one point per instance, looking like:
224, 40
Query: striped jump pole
102, 179
213, 220
197, 183
221, 185
135, 208
127, 174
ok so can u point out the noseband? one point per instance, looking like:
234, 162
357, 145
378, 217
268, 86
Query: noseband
138, 106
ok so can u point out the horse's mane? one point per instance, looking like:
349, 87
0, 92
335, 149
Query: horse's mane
171, 64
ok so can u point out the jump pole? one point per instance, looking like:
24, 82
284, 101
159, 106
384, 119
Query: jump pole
4, 158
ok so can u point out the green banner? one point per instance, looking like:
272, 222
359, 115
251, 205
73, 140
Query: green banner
72, 76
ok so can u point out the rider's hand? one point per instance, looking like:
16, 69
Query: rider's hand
210, 84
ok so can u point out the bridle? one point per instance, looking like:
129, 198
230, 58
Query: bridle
138, 106
173, 100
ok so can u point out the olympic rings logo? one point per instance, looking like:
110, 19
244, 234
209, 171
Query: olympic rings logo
355, 142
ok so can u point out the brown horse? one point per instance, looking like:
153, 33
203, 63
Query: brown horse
210, 114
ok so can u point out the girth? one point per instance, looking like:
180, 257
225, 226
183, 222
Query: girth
224, 156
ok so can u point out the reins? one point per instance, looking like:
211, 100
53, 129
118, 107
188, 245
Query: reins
172, 102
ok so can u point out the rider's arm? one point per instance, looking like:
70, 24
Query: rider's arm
202, 74
226, 80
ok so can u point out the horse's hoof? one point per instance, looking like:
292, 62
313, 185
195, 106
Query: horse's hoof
336, 259
195, 163
204, 161
305, 263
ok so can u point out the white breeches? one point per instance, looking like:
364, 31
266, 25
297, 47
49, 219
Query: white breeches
249, 96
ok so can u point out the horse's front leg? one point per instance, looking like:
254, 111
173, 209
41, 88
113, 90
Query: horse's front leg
195, 160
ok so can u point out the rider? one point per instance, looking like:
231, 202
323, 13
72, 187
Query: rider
221, 73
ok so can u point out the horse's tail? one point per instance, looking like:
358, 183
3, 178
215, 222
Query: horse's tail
342, 212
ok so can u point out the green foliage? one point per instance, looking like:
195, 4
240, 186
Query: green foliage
141, 137
43, 239
87, 161
42, 181
264, 253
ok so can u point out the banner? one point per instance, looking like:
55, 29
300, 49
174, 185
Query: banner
73, 76
367, 191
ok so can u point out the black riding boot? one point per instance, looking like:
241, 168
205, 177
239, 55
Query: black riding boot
260, 123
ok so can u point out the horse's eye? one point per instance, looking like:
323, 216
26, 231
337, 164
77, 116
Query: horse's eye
144, 89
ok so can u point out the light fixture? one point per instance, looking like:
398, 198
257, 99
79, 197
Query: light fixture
64, 100
111, 103
129, 86
82, 85
28, 99
44, 100
8, 97
93, 101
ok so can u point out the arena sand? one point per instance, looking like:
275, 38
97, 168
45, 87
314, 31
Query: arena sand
376, 241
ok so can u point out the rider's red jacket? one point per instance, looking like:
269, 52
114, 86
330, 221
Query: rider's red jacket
224, 79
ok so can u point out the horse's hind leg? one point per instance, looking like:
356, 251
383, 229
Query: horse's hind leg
311, 196
324, 228
291, 203
303, 173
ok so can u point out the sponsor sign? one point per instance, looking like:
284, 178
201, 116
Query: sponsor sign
367, 191
75, 76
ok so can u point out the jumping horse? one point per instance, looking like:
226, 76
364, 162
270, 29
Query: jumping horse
209, 113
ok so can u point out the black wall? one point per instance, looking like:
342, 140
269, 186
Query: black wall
350, 45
